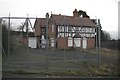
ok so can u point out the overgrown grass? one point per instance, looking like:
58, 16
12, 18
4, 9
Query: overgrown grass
103, 70
92, 70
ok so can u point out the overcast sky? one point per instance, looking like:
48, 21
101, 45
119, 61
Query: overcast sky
105, 10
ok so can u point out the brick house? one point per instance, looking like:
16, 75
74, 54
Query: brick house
66, 32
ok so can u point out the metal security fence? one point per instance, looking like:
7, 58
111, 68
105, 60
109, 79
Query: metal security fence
17, 55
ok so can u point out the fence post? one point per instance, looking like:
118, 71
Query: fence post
47, 18
9, 36
99, 42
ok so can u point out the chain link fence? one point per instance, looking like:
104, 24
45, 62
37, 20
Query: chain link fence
19, 58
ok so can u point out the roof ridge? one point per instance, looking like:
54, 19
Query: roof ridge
61, 15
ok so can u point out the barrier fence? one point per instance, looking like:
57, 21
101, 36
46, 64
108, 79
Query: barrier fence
18, 56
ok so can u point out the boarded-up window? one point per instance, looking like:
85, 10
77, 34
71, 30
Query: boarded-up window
84, 41
70, 42
32, 42
52, 42
77, 42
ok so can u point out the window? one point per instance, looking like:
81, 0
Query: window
62, 29
77, 29
87, 30
52, 28
87, 35
93, 30
52, 42
69, 29
83, 29
84, 43
92, 35
66, 28
43, 30
61, 35
77, 42
69, 35
70, 42
90, 29
66, 34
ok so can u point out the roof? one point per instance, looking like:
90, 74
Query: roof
65, 20
73, 21
40, 22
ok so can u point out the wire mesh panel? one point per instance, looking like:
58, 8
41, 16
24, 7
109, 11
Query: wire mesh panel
27, 55
22, 55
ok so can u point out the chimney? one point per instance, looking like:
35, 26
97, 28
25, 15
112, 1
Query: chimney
47, 15
75, 13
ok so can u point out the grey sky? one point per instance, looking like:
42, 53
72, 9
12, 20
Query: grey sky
105, 10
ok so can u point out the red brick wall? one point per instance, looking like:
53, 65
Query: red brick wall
24, 40
62, 43
38, 31
38, 41
50, 33
90, 42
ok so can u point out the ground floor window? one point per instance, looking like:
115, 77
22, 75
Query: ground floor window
84, 43
70, 42
52, 42
77, 42
32, 42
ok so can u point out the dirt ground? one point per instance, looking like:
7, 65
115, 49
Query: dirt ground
26, 62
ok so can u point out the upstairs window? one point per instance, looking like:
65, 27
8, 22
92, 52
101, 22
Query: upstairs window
43, 30
52, 28
69, 29
77, 29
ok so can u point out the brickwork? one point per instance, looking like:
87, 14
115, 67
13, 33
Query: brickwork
62, 43
90, 42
